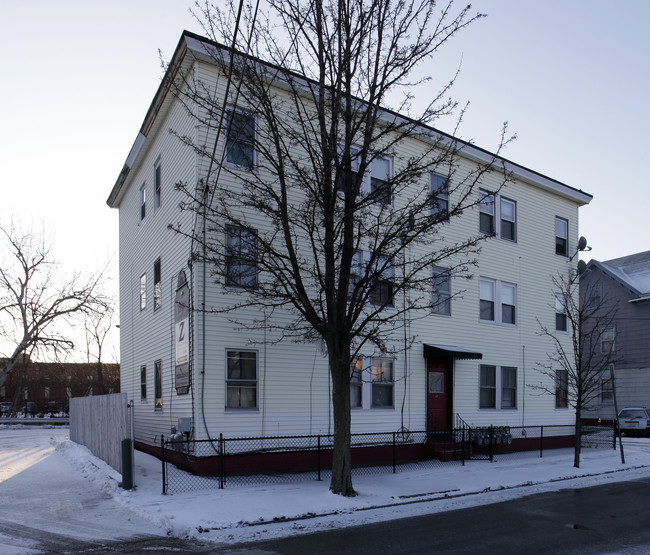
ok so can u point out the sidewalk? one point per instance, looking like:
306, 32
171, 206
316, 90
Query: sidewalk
247, 513
57, 486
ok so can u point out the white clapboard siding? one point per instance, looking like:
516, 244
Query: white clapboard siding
293, 387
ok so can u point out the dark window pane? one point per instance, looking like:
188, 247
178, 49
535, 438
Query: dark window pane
507, 314
487, 310
487, 223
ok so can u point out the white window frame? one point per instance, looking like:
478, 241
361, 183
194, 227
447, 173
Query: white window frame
157, 185
561, 312
239, 383
143, 382
612, 340
491, 205
387, 181
498, 387
383, 274
234, 258
356, 384
368, 369
606, 388
440, 292
143, 201
439, 192
157, 284
237, 141
143, 291
565, 238
157, 384
497, 288
365, 187
594, 300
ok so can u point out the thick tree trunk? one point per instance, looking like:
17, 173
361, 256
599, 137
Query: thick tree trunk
341, 482
578, 435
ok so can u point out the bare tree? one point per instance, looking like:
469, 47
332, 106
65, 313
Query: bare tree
37, 302
318, 210
577, 367
97, 326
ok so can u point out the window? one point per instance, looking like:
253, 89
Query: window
441, 296
241, 257
439, 197
606, 391
561, 389
561, 237
382, 286
382, 382
498, 302
487, 300
241, 379
508, 221
595, 296
508, 303
497, 216
487, 387
240, 140
157, 383
143, 291
143, 382
356, 271
607, 340
156, 186
143, 202
497, 387
353, 171
508, 387
561, 320
486, 209
356, 383
157, 285
380, 187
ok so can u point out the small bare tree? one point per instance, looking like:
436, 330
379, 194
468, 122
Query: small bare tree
578, 367
37, 302
329, 219
98, 326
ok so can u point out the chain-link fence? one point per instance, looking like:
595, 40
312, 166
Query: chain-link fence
199, 464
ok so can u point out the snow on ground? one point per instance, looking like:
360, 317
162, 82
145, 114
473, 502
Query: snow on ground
263, 511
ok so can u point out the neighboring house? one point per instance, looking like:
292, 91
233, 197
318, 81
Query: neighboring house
472, 358
624, 285
47, 387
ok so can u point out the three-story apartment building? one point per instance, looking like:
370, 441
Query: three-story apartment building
473, 356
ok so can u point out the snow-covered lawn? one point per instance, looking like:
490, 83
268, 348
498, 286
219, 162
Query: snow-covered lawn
244, 513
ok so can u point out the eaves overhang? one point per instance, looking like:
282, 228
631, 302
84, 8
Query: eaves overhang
204, 49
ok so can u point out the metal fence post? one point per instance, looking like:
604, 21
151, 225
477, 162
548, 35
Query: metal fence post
541, 441
222, 460
462, 446
394, 453
318, 458
491, 436
164, 466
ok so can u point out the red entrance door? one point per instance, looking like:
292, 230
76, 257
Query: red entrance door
438, 389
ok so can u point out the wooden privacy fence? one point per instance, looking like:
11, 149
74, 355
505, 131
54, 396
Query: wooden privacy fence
101, 422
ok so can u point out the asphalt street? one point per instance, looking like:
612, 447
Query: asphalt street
612, 518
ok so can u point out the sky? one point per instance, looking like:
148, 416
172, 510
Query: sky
570, 78
58, 486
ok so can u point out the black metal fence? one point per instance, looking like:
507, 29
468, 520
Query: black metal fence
199, 464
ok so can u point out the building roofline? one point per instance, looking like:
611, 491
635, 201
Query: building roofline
196, 44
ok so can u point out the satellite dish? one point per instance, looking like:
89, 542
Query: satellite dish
582, 266
582, 244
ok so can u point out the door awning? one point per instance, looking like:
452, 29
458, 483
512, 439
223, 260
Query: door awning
448, 351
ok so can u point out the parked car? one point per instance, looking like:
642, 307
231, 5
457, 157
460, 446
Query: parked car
634, 420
